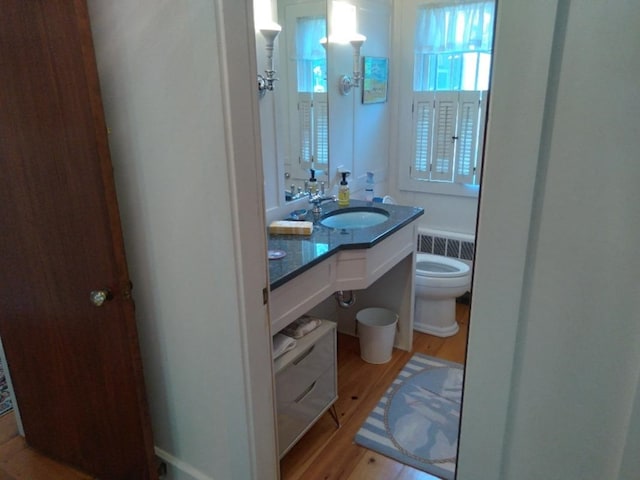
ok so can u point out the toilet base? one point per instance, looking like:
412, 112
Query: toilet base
436, 317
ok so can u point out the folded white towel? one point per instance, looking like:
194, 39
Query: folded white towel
282, 344
302, 326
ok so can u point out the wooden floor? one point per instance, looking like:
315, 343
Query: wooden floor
324, 453
18, 461
328, 453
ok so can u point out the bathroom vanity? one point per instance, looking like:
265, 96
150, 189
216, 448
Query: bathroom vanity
377, 263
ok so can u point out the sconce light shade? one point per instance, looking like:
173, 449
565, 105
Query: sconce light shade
266, 81
270, 33
357, 40
346, 82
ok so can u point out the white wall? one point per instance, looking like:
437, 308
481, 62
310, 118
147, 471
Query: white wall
360, 134
552, 388
449, 213
162, 69
372, 122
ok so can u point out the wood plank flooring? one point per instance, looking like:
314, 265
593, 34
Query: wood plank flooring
324, 453
327, 453
18, 461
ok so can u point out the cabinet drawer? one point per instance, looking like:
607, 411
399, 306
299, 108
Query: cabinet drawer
305, 367
297, 414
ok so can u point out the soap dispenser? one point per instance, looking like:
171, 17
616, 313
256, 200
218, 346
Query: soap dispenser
313, 182
368, 189
343, 191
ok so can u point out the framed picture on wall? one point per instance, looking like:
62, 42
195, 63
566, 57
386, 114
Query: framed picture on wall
375, 74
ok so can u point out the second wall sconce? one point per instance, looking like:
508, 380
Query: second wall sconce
266, 82
348, 82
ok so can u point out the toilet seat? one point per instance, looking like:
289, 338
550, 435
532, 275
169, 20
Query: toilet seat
436, 266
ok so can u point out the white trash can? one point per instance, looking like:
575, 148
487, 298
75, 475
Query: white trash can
377, 331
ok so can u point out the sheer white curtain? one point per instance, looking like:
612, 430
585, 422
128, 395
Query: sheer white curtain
453, 46
309, 50
455, 28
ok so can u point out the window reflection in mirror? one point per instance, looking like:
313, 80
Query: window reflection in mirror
304, 128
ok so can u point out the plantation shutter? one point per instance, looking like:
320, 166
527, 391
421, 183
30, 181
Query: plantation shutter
422, 135
467, 137
313, 116
447, 136
305, 119
446, 104
321, 128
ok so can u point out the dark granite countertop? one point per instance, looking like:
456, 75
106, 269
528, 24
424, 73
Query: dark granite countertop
303, 252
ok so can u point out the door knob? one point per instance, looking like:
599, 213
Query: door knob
98, 297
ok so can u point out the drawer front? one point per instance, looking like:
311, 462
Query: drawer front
295, 415
306, 367
295, 298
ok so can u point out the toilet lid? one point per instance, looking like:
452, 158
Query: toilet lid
437, 266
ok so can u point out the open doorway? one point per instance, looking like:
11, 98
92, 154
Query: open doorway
439, 166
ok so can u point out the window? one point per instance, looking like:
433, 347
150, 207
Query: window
452, 56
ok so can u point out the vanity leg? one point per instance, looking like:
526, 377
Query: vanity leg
334, 415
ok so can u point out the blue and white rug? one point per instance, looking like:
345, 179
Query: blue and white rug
416, 421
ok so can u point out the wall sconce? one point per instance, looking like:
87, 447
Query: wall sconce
266, 82
347, 82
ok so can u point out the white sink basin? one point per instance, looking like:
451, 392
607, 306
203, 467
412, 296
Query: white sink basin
355, 217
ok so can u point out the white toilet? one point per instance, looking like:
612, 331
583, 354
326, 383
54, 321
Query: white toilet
439, 281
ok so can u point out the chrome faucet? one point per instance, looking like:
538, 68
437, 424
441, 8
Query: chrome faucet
317, 201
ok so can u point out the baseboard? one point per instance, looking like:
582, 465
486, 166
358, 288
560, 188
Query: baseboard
176, 469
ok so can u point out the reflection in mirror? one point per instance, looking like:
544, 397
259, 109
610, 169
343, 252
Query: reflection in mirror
303, 126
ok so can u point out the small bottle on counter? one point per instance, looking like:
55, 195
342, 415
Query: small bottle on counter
343, 191
368, 189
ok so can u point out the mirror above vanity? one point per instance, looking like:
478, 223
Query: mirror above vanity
302, 103
307, 121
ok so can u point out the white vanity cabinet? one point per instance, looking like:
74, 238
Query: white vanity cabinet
306, 384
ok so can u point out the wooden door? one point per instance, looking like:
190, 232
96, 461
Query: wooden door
75, 366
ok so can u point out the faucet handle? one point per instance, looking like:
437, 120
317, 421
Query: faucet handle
318, 199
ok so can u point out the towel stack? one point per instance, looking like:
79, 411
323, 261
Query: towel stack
300, 327
286, 340
282, 344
